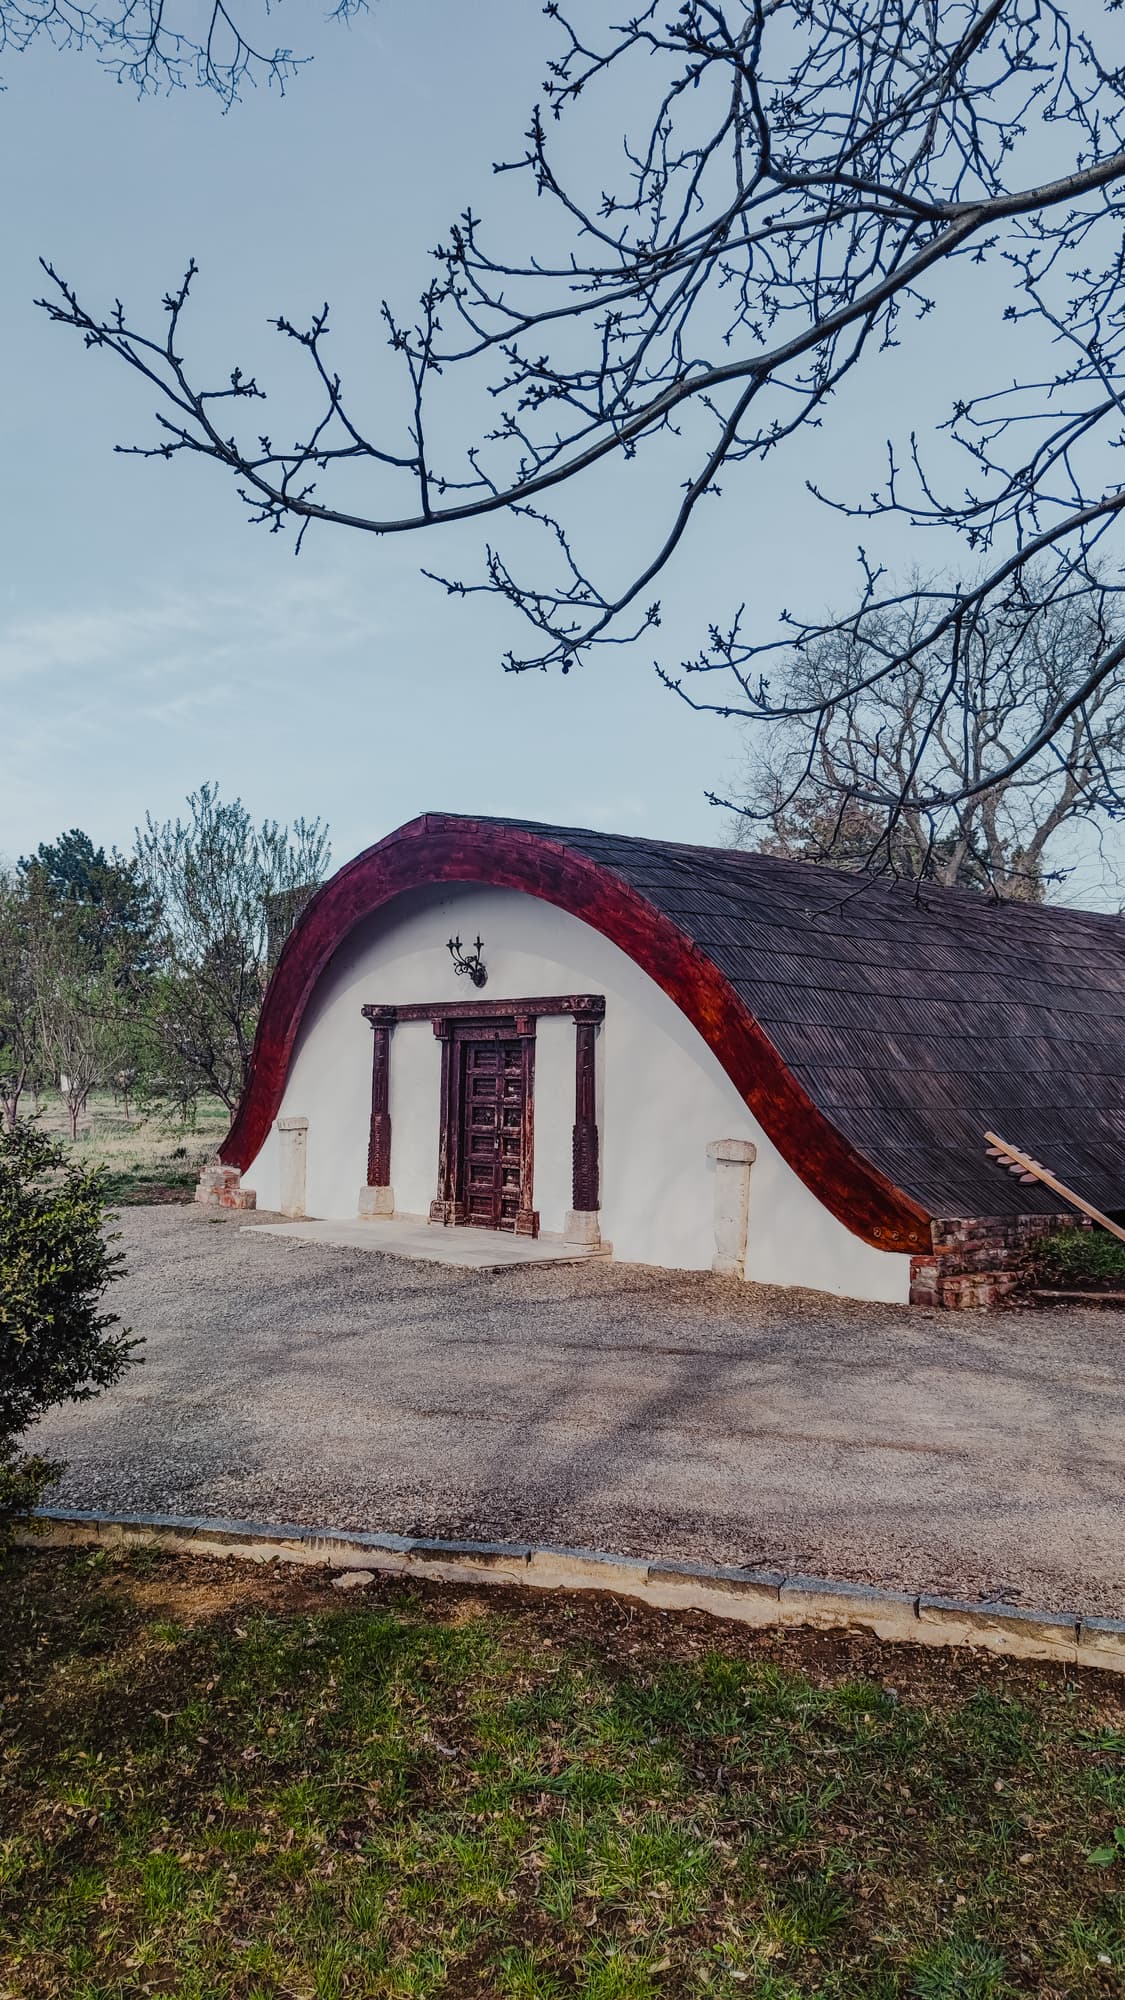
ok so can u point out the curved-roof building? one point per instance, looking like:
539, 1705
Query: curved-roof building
858, 1036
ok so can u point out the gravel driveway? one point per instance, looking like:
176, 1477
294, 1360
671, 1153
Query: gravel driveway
630, 1409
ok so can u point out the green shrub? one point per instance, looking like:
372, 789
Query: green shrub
55, 1264
1079, 1256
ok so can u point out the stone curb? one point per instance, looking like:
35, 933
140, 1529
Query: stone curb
745, 1596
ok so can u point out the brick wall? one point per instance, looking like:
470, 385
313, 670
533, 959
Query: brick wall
221, 1187
978, 1260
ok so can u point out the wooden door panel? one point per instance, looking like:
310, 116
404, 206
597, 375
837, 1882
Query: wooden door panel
493, 1126
486, 1145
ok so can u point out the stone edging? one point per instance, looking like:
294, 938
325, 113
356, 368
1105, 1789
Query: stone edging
746, 1596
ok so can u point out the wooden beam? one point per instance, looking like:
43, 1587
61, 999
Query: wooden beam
590, 1006
1032, 1170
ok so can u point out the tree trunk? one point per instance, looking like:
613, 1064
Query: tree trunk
949, 873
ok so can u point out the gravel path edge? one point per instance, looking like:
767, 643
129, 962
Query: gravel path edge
745, 1596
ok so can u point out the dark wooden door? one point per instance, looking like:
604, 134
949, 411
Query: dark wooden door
494, 1123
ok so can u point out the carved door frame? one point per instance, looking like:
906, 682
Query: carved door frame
457, 1034
455, 1024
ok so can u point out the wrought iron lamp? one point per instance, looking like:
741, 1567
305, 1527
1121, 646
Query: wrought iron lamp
470, 962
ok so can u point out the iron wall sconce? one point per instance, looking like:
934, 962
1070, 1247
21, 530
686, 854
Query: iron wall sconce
470, 962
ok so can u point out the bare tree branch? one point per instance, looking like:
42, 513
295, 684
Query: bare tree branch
157, 45
843, 776
808, 182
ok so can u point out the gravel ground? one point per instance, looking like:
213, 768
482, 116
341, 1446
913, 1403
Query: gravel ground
630, 1409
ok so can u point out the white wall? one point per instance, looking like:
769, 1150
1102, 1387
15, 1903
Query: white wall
662, 1095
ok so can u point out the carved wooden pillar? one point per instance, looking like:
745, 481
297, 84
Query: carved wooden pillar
582, 1224
446, 1207
377, 1198
527, 1216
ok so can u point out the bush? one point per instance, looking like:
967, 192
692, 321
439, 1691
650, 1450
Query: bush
1079, 1256
55, 1264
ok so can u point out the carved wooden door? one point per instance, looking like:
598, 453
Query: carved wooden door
493, 1133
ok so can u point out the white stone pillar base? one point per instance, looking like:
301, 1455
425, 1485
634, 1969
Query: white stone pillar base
732, 1159
583, 1226
293, 1140
376, 1203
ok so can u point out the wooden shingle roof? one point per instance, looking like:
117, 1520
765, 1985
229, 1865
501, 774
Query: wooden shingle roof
915, 1017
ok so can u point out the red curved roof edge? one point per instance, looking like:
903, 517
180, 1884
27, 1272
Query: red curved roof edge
441, 847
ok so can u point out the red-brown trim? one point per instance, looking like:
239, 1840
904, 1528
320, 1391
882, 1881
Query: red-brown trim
441, 848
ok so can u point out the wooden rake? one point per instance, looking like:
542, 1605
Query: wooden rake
1028, 1169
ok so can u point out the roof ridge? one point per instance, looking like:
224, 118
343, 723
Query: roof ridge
922, 893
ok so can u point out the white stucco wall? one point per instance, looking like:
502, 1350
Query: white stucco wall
662, 1095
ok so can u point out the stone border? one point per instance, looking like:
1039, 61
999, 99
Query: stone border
765, 1598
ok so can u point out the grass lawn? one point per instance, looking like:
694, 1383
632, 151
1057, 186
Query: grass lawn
148, 1157
216, 1781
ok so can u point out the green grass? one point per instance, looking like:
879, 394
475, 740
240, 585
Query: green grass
1079, 1256
147, 1157
217, 1785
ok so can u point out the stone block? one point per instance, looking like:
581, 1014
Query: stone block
732, 1160
750, 1595
976, 1290
718, 1576
355, 1551
827, 1605
293, 1140
739, 1152
583, 1227
375, 1202
999, 1628
1101, 1643
486, 1553
586, 1569
220, 1187
486, 1562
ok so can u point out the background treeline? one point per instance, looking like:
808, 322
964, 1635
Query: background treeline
144, 972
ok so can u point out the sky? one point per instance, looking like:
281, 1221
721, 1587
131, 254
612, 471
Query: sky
151, 639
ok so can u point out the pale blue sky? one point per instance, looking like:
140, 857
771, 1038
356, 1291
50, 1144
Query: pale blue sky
150, 638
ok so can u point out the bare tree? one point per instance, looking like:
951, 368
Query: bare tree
221, 45
71, 970
938, 722
809, 179
19, 1014
214, 878
78, 1008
